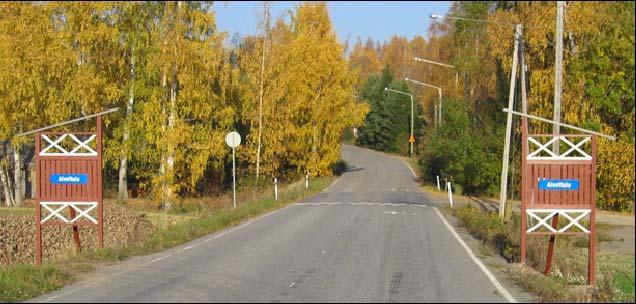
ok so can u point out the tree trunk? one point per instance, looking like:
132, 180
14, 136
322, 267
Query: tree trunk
18, 177
33, 180
167, 158
2, 190
169, 169
123, 183
123, 162
23, 179
162, 167
260, 102
169, 194
6, 186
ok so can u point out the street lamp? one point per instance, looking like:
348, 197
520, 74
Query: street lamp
439, 92
435, 16
434, 62
411, 139
441, 64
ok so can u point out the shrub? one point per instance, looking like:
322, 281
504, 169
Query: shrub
467, 157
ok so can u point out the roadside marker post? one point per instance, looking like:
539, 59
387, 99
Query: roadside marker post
275, 189
306, 181
450, 194
438, 188
233, 139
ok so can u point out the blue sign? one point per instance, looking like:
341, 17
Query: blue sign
559, 184
69, 179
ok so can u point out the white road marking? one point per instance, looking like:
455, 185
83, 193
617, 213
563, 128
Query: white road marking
409, 166
186, 248
360, 204
390, 212
323, 252
60, 295
157, 259
292, 284
490, 276
334, 182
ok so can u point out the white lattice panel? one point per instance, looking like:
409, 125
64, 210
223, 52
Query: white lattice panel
55, 211
575, 152
54, 147
544, 215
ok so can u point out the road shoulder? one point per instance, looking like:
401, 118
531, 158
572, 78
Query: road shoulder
496, 264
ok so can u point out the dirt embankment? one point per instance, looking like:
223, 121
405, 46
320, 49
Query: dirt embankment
17, 235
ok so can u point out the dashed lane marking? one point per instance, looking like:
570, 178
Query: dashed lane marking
360, 204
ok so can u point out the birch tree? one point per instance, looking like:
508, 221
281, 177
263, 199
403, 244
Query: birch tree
186, 115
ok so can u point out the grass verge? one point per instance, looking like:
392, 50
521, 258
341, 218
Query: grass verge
22, 282
11, 211
566, 282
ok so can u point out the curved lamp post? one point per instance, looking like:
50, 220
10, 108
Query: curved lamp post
439, 92
411, 138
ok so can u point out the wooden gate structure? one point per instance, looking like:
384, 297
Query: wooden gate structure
69, 178
558, 184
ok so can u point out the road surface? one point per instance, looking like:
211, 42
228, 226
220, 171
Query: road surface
370, 237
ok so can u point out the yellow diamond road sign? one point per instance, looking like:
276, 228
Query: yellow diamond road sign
412, 139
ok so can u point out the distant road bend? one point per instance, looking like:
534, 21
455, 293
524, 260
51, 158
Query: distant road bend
371, 237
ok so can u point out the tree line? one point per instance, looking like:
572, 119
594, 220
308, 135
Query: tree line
181, 85
598, 90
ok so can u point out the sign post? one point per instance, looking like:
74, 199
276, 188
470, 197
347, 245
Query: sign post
233, 139
555, 183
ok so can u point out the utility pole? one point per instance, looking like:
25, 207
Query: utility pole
524, 110
439, 93
411, 139
506, 152
435, 117
524, 100
558, 74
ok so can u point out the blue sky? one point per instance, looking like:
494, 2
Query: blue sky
376, 19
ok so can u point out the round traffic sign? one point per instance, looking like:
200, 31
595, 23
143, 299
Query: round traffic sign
233, 139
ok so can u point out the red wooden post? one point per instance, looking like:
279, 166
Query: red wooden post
591, 261
100, 199
76, 236
548, 260
38, 207
525, 186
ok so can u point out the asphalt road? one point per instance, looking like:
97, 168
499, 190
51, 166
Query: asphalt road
371, 237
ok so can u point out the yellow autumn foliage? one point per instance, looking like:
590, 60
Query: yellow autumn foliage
615, 170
